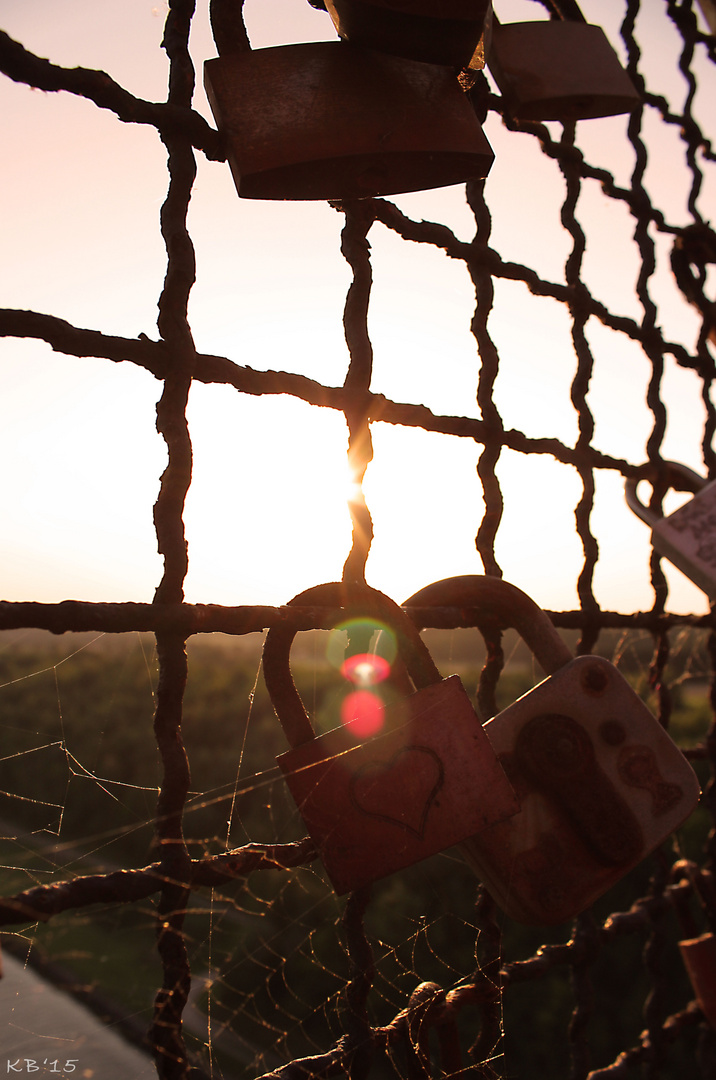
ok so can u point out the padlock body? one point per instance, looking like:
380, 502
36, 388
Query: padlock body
688, 539
699, 956
328, 120
432, 32
558, 71
600, 783
375, 806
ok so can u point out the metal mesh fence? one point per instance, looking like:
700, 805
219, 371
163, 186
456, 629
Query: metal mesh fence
456, 1001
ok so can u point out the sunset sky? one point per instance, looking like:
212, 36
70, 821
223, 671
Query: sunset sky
266, 516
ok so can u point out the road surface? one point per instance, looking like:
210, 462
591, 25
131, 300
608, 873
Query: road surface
45, 1032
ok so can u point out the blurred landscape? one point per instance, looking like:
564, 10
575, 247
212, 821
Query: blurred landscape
78, 785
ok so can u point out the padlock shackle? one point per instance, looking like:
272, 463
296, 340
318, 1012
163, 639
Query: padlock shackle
674, 473
354, 599
501, 605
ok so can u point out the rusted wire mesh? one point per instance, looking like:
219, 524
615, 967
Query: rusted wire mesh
430, 1011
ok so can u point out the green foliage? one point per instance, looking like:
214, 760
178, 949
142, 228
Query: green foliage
80, 773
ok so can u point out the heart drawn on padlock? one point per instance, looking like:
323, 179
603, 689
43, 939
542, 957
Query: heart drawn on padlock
425, 781
401, 790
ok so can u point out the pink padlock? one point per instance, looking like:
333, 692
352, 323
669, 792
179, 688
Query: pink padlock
423, 781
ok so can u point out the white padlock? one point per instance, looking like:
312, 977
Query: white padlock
687, 538
599, 781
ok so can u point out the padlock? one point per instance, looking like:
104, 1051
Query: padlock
558, 70
687, 538
699, 956
427, 781
599, 780
698, 949
329, 120
433, 31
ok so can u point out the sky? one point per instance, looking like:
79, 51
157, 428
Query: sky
266, 515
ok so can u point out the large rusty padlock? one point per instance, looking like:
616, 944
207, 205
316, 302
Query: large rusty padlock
433, 31
687, 538
558, 70
330, 120
600, 782
427, 781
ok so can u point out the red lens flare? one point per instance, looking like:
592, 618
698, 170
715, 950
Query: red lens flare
365, 669
364, 711
364, 637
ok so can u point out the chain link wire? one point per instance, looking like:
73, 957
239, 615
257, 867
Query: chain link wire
174, 875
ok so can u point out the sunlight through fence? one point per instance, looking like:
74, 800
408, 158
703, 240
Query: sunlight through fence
261, 968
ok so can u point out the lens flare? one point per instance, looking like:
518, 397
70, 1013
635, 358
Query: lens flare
362, 636
364, 711
365, 669
372, 647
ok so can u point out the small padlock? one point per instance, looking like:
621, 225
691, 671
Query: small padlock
558, 70
329, 120
699, 956
376, 805
688, 536
698, 950
433, 31
600, 782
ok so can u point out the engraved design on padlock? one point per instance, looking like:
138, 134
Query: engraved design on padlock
558, 70
329, 120
687, 538
376, 805
637, 767
699, 956
433, 31
600, 782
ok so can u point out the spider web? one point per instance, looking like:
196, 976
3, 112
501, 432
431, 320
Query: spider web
132, 875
